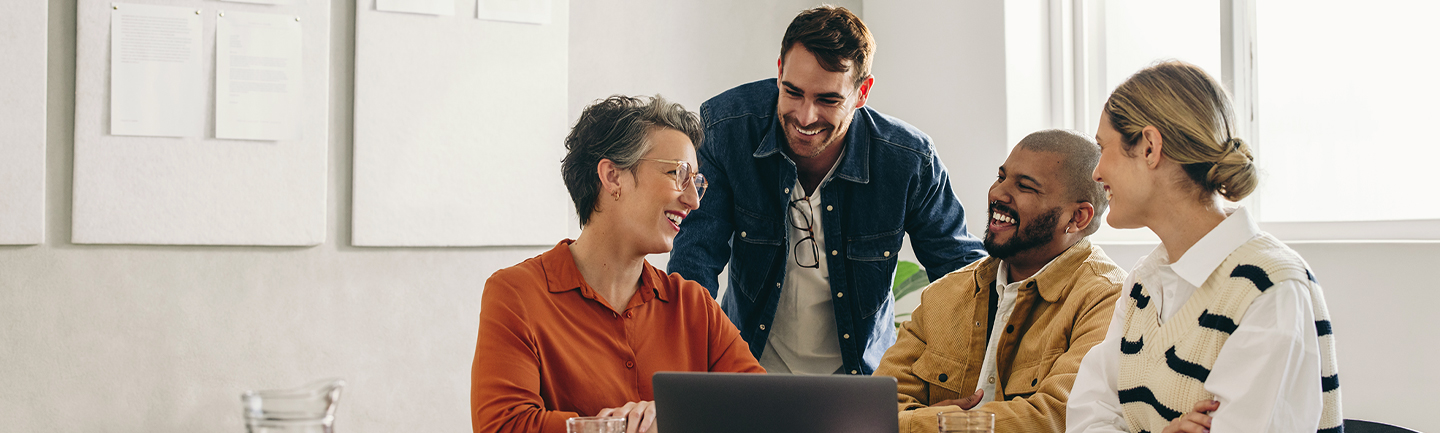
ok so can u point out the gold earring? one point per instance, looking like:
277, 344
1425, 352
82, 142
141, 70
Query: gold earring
616, 193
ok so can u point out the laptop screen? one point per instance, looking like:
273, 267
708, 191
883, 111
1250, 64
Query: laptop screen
774, 403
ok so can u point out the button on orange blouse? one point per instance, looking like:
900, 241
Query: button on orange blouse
550, 348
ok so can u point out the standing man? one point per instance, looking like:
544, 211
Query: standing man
811, 196
1007, 333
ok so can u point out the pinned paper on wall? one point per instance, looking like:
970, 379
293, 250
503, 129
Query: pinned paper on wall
520, 11
434, 167
198, 189
428, 7
258, 77
156, 86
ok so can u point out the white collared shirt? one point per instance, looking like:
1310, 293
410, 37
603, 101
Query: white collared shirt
1004, 307
1264, 376
803, 336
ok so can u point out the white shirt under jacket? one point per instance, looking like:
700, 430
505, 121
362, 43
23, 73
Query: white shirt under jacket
803, 337
1007, 293
1264, 375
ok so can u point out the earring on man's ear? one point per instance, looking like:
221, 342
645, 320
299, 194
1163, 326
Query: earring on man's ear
1067, 230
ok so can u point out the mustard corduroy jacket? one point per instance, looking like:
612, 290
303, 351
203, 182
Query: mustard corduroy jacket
1059, 315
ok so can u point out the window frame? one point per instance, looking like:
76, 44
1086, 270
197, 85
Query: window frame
1076, 67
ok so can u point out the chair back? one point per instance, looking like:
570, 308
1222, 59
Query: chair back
1362, 426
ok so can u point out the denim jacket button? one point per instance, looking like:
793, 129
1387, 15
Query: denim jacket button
762, 327
787, 190
742, 234
829, 207
886, 254
834, 252
840, 295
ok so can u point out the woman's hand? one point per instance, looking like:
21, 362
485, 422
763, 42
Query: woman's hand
1195, 421
640, 416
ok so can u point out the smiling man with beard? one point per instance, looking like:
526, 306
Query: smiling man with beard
1006, 334
811, 196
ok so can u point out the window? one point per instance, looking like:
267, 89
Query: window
1336, 98
1345, 94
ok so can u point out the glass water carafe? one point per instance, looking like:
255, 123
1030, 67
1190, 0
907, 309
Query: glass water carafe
307, 409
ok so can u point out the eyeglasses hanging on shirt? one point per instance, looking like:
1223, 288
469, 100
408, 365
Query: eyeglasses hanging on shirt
800, 214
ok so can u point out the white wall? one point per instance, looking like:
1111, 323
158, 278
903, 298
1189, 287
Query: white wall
153, 338
157, 338
940, 65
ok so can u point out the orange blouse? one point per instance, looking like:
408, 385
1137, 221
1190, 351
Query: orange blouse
550, 348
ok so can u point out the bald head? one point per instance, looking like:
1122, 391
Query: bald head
1080, 154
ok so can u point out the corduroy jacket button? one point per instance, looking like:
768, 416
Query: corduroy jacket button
943, 377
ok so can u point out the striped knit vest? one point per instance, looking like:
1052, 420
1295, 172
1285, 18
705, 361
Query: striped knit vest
1163, 368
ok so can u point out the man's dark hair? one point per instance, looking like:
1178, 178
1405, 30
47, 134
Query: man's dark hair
1080, 154
618, 129
834, 35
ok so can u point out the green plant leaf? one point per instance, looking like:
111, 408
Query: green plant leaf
913, 284
909, 278
903, 271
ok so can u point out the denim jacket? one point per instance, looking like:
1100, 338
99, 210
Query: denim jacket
888, 183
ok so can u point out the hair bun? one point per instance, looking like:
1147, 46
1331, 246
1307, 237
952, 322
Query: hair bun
1233, 173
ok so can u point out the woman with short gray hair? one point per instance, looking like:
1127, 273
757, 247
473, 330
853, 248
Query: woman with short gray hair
580, 329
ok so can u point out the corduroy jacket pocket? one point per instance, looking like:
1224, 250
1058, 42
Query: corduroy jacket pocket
931, 366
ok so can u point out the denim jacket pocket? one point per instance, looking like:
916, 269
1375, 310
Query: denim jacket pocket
872, 261
757, 241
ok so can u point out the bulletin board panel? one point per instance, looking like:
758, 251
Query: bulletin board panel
22, 122
197, 189
459, 129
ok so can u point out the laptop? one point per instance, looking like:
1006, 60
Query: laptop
774, 403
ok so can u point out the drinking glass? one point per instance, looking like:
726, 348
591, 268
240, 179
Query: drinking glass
966, 421
307, 409
595, 424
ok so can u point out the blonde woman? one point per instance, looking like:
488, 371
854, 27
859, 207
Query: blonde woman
1222, 326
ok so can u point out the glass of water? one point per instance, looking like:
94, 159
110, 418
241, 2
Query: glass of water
595, 424
967, 421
